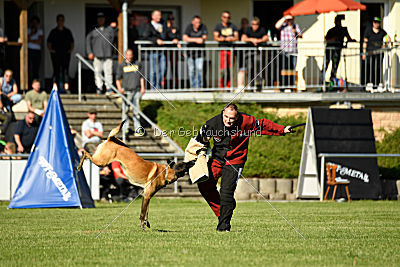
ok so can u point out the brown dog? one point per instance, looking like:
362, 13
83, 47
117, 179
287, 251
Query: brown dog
146, 174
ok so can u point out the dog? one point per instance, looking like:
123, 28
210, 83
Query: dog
145, 174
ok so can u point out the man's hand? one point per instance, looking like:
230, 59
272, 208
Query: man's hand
160, 42
91, 56
122, 91
20, 149
142, 91
364, 56
113, 24
288, 129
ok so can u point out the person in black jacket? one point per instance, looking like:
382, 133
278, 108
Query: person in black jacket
155, 32
172, 34
100, 50
230, 131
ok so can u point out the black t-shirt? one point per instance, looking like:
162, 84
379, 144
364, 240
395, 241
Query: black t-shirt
226, 31
337, 33
196, 34
61, 40
129, 73
259, 33
27, 134
375, 40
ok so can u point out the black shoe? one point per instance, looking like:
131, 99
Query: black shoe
223, 230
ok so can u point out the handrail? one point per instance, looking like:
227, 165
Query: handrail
81, 59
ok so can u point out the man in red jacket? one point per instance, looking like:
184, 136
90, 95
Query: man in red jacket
231, 131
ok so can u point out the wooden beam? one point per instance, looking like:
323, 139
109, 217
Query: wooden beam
120, 38
23, 52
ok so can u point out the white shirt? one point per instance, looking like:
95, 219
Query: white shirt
35, 36
89, 125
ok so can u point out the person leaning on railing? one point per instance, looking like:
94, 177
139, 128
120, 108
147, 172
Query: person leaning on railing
225, 33
195, 35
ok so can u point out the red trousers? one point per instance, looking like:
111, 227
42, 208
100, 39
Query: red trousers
225, 68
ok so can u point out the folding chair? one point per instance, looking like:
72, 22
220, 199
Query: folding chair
335, 181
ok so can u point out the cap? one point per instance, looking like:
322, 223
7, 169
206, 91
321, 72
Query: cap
92, 110
377, 19
100, 14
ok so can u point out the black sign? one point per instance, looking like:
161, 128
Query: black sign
348, 131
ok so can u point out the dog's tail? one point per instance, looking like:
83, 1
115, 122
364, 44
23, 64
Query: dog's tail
116, 130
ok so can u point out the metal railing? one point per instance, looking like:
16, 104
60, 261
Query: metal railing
215, 68
344, 155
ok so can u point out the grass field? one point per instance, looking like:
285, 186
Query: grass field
183, 233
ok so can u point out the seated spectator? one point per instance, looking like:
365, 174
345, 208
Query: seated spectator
106, 181
254, 35
10, 149
127, 190
25, 133
156, 32
36, 100
225, 33
9, 91
195, 34
92, 132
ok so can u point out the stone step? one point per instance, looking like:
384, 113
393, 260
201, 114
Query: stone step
100, 101
107, 109
116, 116
152, 149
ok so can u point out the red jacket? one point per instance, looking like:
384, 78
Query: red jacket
232, 143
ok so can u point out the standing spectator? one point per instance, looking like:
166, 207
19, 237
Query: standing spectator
127, 191
9, 91
225, 33
36, 100
334, 43
25, 133
60, 44
35, 38
290, 31
133, 35
172, 34
195, 34
254, 35
244, 25
372, 53
92, 132
133, 85
100, 50
3, 41
155, 32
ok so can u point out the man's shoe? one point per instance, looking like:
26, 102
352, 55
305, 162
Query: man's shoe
99, 91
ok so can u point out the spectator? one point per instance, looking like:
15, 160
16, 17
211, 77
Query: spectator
155, 32
35, 38
25, 133
92, 132
195, 34
106, 180
244, 25
172, 34
3, 41
60, 44
225, 33
9, 91
133, 35
100, 50
254, 35
36, 100
133, 85
334, 43
290, 31
10, 149
372, 53
127, 191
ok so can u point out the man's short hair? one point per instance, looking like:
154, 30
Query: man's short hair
60, 16
35, 81
8, 70
231, 106
35, 18
196, 17
226, 11
256, 19
154, 11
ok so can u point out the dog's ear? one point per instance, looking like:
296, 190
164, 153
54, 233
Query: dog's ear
170, 163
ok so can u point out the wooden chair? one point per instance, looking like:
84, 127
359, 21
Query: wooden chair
335, 181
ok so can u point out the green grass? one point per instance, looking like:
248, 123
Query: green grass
183, 233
